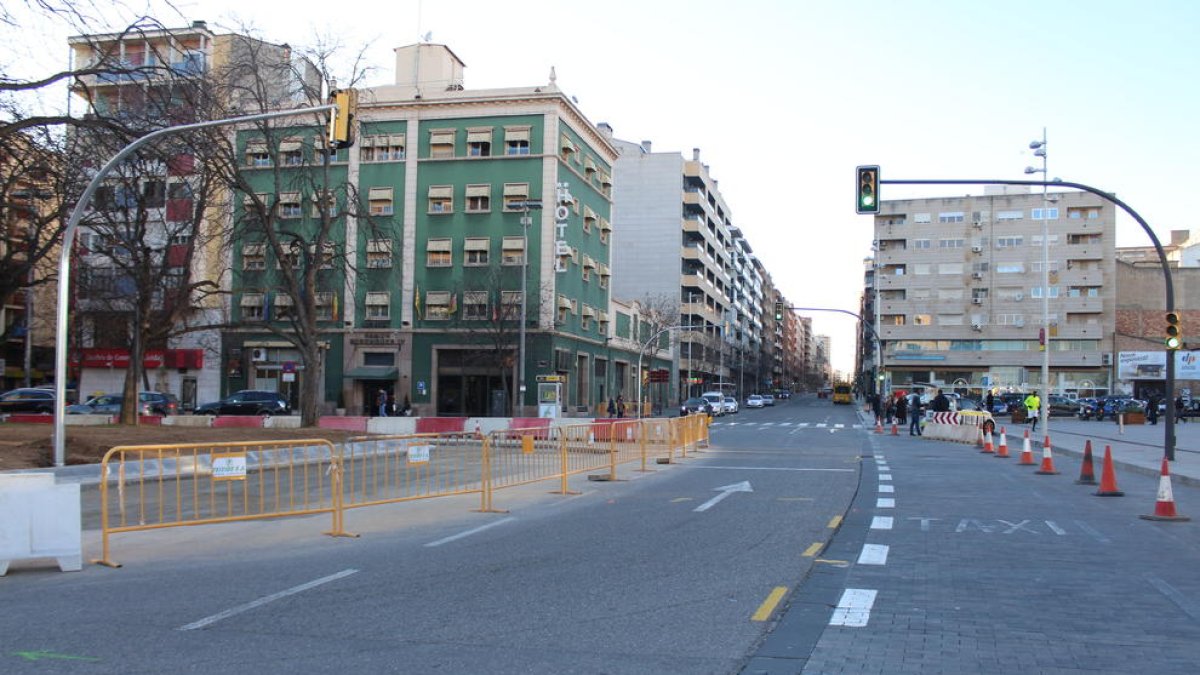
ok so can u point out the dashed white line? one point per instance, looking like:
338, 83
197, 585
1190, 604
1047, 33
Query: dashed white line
476, 530
883, 503
839, 426
873, 554
882, 523
885, 476
854, 608
209, 620
821, 425
887, 488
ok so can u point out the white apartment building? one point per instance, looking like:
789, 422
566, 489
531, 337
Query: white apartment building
956, 290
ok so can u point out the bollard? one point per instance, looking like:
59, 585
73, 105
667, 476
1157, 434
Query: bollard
1121, 423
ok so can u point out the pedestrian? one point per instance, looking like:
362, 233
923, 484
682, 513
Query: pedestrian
612, 408
1179, 410
1033, 404
381, 400
901, 408
877, 408
991, 401
914, 414
1152, 409
620, 406
941, 403
406, 409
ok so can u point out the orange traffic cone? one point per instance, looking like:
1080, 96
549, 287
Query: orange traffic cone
1164, 508
1002, 451
478, 431
878, 425
1087, 471
1108, 477
1047, 468
895, 428
1026, 452
988, 448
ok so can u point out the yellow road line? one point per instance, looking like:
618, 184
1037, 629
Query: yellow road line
834, 522
812, 550
768, 606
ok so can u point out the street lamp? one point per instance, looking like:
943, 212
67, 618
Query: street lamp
1039, 150
525, 206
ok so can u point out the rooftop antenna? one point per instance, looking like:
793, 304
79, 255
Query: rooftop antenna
427, 36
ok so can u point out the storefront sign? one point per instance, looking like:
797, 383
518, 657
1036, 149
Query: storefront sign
118, 358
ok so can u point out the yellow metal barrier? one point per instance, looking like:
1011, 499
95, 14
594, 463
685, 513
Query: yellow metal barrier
149, 487
389, 469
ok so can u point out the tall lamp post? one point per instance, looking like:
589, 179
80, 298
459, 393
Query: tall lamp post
526, 220
1039, 150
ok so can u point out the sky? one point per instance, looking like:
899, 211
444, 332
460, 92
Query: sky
785, 97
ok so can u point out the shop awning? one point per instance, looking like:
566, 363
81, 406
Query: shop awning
371, 373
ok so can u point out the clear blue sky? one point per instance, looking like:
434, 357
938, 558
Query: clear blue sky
784, 98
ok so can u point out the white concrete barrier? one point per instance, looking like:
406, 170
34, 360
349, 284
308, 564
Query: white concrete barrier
188, 421
282, 422
39, 519
88, 420
392, 426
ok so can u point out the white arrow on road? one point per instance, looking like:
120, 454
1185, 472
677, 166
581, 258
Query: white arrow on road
725, 491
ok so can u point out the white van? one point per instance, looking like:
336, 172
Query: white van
717, 399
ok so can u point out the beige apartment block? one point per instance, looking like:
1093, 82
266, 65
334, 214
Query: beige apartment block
960, 291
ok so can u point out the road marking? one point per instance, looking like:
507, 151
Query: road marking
39, 655
821, 425
885, 476
768, 605
785, 424
725, 491
879, 455
883, 503
813, 549
477, 530
881, 523
803, 425
1093, 532
1190, 608
795, 499
681, 499
858, 426
873, 554
854, 608
839, 426
835, 563
834, 522
767, 468
1055, 528
887, 488
207, 621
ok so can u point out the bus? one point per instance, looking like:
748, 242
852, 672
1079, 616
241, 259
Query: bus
842, 393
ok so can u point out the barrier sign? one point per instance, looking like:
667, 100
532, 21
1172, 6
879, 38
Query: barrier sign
419, 454
229, 466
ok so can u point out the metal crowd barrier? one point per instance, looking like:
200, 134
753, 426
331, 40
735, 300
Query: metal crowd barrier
152, 487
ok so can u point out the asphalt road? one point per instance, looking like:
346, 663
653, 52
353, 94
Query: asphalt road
662, 572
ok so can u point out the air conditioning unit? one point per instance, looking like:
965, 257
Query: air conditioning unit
976, 326
976, 275
1018, 296
977, 223
976, 301
976, 249
1019, 323
1106, 359
258, 354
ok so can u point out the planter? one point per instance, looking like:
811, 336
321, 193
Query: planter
1019, 416
340, 412
1135, 418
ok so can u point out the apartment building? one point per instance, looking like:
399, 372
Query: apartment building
955, 291
457, 196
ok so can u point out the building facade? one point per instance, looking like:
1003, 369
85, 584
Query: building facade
956, 290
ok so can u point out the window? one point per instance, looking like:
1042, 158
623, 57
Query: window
589, 218
476, 249
324, 305
951, 217
921, 269
920, 243
1036, 292
950, 319
378, 306
605, 229
512, 251
1010, 268
979, 294
1010, 215
1036, 266
439, 305
1050, 214
379, 253
566, 148
1010, 241
441, 143
379, 200
479, 198
980, 267
950, 243
1009, 319
922, 218
438, 253
511, 305
514, 196
441, 199
564, 309
1084, 291
604, 272
324, 200
289, 205
892, 319
326, 256
516, 140
605, 184
950, 268
254, 257
257, 155
918, 293
1036, 240
922, 320
589, 264
479, 142
282, 310
475, 305
585, 318
382, 148
155, 193
291, 152
252, 307
950, 293
383, 359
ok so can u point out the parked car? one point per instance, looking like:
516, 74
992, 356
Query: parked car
1012, 401
969, 404
785, 394
27, 401
695, 405
1106, 406
1061, 406
149, 403
768, 399
754, 401
247, 402
730, 405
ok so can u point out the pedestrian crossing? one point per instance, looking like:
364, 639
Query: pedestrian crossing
789, 425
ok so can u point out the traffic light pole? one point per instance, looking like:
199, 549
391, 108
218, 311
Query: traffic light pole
1169, 430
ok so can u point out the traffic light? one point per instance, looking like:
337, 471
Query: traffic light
779, 307
868, 189
1174, 339
341, 120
